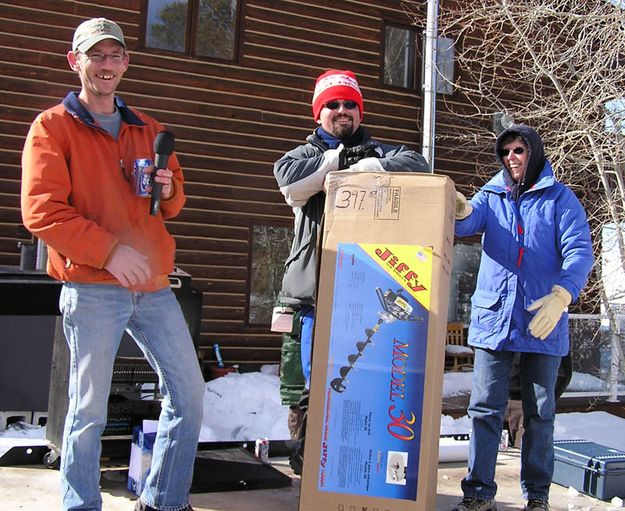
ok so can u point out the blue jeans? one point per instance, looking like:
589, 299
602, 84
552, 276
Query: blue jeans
489, 399
307, 318
94, 319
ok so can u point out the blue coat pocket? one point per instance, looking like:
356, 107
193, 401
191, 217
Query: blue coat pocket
485, 306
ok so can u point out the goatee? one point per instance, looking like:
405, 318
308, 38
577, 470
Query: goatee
342, 130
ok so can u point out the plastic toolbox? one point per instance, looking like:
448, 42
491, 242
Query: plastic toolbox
591, 468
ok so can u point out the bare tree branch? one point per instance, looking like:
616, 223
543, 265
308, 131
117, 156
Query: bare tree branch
555, 65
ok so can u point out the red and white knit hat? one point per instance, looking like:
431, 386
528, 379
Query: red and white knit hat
335, 84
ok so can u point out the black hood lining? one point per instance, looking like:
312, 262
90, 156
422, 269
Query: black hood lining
536, 160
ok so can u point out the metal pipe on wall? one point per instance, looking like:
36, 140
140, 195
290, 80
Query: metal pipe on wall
429, 84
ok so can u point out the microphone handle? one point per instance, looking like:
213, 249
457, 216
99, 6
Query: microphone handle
160, 162
155, 201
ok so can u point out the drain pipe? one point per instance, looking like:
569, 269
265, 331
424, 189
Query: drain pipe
429, 84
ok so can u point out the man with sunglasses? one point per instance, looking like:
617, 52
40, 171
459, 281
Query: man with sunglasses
536, 258
340, 142
114, 259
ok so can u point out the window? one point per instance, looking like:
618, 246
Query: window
271, 245
612, 264
465, 265
401, 53
400, 56
202, 28
445, 65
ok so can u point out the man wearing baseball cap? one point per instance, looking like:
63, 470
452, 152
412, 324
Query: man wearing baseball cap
340, 142
114, 258
92, 31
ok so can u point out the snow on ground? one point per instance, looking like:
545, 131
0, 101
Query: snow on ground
244, 407
247, 406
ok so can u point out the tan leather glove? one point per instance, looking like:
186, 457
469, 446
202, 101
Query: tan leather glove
550, 309
463, 207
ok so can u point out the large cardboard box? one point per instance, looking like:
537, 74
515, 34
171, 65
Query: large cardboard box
375, 404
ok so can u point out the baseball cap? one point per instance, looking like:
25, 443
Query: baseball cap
93, 31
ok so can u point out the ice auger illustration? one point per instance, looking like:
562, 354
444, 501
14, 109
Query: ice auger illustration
395, 307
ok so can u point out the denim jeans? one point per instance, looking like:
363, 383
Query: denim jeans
94, 319
489, 399
307, 317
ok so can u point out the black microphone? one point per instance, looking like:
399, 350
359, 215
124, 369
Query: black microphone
163, 147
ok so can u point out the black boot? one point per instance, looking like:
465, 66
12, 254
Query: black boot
296, 459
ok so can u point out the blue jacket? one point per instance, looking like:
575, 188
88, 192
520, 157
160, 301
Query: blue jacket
528, 246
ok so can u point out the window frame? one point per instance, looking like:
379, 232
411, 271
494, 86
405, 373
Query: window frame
190, 40
417, 73
443, 85
278, 255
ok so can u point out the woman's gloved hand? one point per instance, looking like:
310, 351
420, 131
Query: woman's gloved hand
550, 309
463, 207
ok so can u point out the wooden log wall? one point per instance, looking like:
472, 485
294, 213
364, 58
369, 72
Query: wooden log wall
231, 120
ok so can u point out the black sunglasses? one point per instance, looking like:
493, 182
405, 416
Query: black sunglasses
347, 105
517, 150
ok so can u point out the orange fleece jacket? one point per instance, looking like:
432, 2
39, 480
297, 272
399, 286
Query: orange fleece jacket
77, 193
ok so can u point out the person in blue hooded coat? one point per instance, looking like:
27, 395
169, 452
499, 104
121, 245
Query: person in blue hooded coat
536, 258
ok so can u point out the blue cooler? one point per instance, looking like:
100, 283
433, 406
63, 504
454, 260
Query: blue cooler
591, 468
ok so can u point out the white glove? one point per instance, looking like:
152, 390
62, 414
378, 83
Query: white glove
463, 207
330, 160
297, 194
371, 164
550, 310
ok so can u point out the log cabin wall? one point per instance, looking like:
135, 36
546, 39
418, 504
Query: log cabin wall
232, 119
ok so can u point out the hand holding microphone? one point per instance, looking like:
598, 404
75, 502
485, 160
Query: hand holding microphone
163, 147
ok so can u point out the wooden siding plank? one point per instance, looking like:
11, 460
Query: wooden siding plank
231, 120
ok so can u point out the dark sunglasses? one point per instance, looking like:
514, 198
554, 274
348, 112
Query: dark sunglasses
517, 150
347, 105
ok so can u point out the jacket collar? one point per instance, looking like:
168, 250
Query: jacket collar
73, 105
321, 139
545, 179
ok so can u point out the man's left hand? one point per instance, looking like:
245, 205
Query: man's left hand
550, 309
164, 176
367, 165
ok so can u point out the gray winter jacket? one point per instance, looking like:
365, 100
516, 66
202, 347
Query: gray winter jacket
300, 174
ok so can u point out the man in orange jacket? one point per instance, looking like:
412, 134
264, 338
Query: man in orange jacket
113, 256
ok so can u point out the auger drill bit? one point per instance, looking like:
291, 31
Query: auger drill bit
396, 307
339, 384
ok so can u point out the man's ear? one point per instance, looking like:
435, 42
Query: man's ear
74, 63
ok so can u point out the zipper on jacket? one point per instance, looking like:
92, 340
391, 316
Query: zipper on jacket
123, 169
520, 231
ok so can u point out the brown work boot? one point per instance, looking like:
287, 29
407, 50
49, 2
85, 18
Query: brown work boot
294, 421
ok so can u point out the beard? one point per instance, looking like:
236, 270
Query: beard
342, 130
